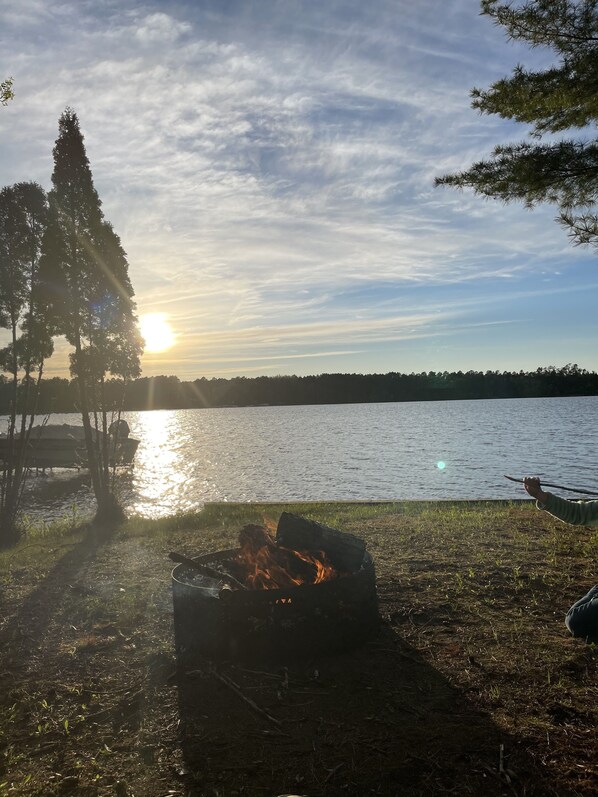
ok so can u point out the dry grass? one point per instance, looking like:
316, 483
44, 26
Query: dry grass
473, 687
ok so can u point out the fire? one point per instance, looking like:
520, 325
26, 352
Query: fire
263, 564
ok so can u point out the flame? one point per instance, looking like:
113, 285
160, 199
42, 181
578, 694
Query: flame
266, 565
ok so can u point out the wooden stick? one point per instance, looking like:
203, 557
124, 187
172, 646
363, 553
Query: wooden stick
558, 486
230, 684
207, 571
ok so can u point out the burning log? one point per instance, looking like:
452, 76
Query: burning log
344, 551
264, 564
253, 537
311, 590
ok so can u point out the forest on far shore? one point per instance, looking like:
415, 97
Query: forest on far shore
169, 392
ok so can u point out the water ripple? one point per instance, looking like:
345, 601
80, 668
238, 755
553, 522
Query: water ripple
340, 452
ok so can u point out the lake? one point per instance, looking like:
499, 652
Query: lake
419, 450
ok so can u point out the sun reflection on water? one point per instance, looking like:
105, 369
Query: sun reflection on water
162, 471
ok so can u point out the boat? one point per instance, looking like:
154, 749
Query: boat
63, 446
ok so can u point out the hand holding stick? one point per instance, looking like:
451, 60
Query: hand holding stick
534, 481
533, 487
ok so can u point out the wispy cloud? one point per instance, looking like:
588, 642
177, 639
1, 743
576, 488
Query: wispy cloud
261, 164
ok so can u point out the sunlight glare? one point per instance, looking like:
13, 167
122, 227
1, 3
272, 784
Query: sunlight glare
156, 332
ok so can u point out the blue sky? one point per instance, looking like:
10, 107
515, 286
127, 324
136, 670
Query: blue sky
269, 167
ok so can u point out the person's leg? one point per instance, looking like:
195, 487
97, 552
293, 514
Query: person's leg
582, 617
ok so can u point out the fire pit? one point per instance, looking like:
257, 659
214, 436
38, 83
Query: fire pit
310, 590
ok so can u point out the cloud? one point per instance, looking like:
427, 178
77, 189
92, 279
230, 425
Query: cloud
246, 153
160, 28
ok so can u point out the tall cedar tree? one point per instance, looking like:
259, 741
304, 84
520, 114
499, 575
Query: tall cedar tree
23, 312
561, 172
87, 277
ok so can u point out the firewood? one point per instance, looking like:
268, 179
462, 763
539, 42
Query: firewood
344, 550
285, 566
254, 537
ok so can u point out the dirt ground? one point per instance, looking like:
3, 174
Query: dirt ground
472, 687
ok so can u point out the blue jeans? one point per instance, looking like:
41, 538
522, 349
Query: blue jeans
582, 617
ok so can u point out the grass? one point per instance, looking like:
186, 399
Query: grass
473, 687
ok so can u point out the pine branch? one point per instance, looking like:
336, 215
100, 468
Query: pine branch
545, 22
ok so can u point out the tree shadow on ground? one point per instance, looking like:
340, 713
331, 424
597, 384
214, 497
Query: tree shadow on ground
375, 721
22, 635
79, 696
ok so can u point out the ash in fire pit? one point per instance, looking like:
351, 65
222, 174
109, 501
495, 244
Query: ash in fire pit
309, 590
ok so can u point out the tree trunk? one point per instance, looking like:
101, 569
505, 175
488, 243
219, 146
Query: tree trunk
92, 459
9, 532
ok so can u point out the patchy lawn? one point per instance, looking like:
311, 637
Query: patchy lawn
473, 686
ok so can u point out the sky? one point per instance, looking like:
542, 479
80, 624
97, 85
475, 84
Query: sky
269, 167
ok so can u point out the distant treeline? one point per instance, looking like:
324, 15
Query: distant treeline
169, 392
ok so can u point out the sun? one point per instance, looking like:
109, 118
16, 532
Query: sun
156, 332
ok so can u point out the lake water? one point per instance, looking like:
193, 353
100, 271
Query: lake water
420, 450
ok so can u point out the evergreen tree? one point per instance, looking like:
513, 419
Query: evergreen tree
563, 172
6, 91
86, 274
23, 312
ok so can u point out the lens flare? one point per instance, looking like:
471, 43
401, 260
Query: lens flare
441, 465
